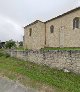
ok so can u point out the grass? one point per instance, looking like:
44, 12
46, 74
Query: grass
58, 48
21, 48
14, 68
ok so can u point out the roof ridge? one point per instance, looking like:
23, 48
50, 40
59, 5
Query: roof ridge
72, 10
36, 21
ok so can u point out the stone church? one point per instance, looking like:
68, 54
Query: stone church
61, 31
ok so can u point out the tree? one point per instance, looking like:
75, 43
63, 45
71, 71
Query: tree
20, 43
10, 44
2, 45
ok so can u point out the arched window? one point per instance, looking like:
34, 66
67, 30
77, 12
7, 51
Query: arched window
30, 31
51, 28
76, 22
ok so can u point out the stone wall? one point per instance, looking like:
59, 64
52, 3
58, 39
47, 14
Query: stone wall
64, 35
37, 38
69, 60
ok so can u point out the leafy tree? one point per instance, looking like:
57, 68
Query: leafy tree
20, 43
10, 44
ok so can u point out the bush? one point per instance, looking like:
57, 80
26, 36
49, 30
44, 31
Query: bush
1, 54
7, 55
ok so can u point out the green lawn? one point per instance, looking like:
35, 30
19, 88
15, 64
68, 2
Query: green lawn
20, 48
65, 48
14, 68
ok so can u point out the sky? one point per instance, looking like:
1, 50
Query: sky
15, 14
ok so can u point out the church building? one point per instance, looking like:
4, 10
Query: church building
61, 31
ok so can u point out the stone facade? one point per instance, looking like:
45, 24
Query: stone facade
65, 60
35, 39
63, 35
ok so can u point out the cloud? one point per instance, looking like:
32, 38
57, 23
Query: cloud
9, 29
15, 14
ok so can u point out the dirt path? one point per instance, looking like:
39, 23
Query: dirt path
7, 85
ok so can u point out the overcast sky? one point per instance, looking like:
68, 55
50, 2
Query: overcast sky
15, 14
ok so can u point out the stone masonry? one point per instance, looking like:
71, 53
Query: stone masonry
64, 34
69, 60
37, 38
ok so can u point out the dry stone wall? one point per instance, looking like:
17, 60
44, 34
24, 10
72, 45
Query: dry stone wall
69, 60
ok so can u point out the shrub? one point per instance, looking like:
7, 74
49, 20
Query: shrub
1, 54
7, 55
